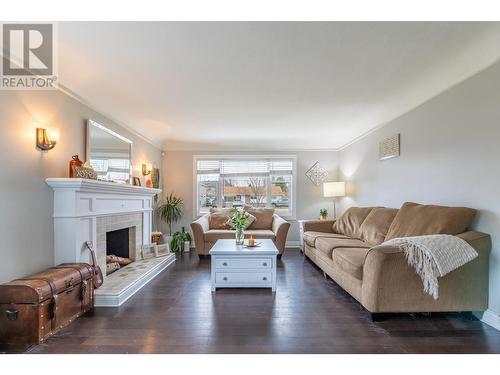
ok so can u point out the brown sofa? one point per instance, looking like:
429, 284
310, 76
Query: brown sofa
211, 227
349, 250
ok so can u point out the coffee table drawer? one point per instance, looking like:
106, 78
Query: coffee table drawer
243, 263
242, 277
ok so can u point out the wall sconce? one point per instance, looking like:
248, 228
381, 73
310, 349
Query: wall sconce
146, 169
46, 139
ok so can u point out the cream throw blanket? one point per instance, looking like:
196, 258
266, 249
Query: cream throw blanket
434, 256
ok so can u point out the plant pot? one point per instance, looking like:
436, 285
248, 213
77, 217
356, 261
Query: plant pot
187, 246
323, 218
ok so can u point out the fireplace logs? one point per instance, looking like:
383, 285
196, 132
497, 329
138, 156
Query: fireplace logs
114, 263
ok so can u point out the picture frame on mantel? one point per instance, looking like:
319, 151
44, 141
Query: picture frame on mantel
136, 181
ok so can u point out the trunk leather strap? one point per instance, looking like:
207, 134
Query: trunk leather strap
83, 295
53, 289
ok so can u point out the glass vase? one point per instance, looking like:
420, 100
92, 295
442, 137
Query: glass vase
240, 237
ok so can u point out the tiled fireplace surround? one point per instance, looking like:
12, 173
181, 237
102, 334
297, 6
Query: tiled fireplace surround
106, 224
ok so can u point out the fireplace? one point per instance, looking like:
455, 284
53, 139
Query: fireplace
118, 243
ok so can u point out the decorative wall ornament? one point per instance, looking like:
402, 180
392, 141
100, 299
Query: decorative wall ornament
317, 174
389, 147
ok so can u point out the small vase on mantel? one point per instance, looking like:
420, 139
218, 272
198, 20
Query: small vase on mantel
74, 162
240, 236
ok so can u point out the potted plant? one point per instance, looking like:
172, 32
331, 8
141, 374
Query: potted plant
180, 241
170, 211
323, 214
239, 222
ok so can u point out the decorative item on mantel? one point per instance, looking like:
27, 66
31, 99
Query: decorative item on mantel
317, 174
155, 177
136, 181
74, 162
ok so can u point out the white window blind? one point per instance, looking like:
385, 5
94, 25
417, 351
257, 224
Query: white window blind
233, 167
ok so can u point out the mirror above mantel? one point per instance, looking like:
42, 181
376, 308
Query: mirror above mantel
109, 153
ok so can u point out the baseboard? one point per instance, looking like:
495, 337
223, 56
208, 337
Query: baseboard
292, 244
491, 318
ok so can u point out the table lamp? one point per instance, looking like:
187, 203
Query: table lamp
334, 189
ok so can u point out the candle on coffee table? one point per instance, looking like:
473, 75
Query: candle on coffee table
251, 241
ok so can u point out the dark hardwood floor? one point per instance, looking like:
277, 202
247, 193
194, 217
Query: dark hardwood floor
177, 313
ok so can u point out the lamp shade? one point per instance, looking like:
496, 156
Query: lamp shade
334, 189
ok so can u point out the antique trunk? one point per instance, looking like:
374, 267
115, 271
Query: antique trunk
35, 307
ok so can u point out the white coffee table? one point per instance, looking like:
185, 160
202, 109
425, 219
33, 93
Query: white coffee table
240, 267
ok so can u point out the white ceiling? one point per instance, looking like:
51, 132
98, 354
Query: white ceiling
266, 86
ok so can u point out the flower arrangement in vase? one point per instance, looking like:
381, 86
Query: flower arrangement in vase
323, 214
239, 222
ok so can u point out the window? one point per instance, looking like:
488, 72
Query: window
237, 181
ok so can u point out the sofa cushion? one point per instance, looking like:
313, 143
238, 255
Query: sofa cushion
350, 221
311, 237
377, 223
350, 260
218, 234
327, 245
263, 217
415, 219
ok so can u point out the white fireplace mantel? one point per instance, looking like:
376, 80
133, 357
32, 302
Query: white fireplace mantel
79, 202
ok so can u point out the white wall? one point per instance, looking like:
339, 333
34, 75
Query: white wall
26, 227
450, 154
178, 178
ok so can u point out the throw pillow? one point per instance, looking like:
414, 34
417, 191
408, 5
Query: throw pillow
218, 218
263, 217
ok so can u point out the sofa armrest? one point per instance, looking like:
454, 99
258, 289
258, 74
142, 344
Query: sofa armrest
391, 285
325, 226
280, 229
199, 227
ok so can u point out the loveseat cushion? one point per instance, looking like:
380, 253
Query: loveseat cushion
350, 221
376, 225
263, 217
328, 245
350, 260
311, 237
415, 219
218, 218
218, 234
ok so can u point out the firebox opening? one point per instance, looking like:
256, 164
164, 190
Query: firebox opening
117, 243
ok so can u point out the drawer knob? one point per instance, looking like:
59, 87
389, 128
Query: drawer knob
224, 278
264, 264
224, 264
264, 278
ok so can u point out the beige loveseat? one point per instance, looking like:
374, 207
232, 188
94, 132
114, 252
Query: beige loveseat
349, 250
211, 227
